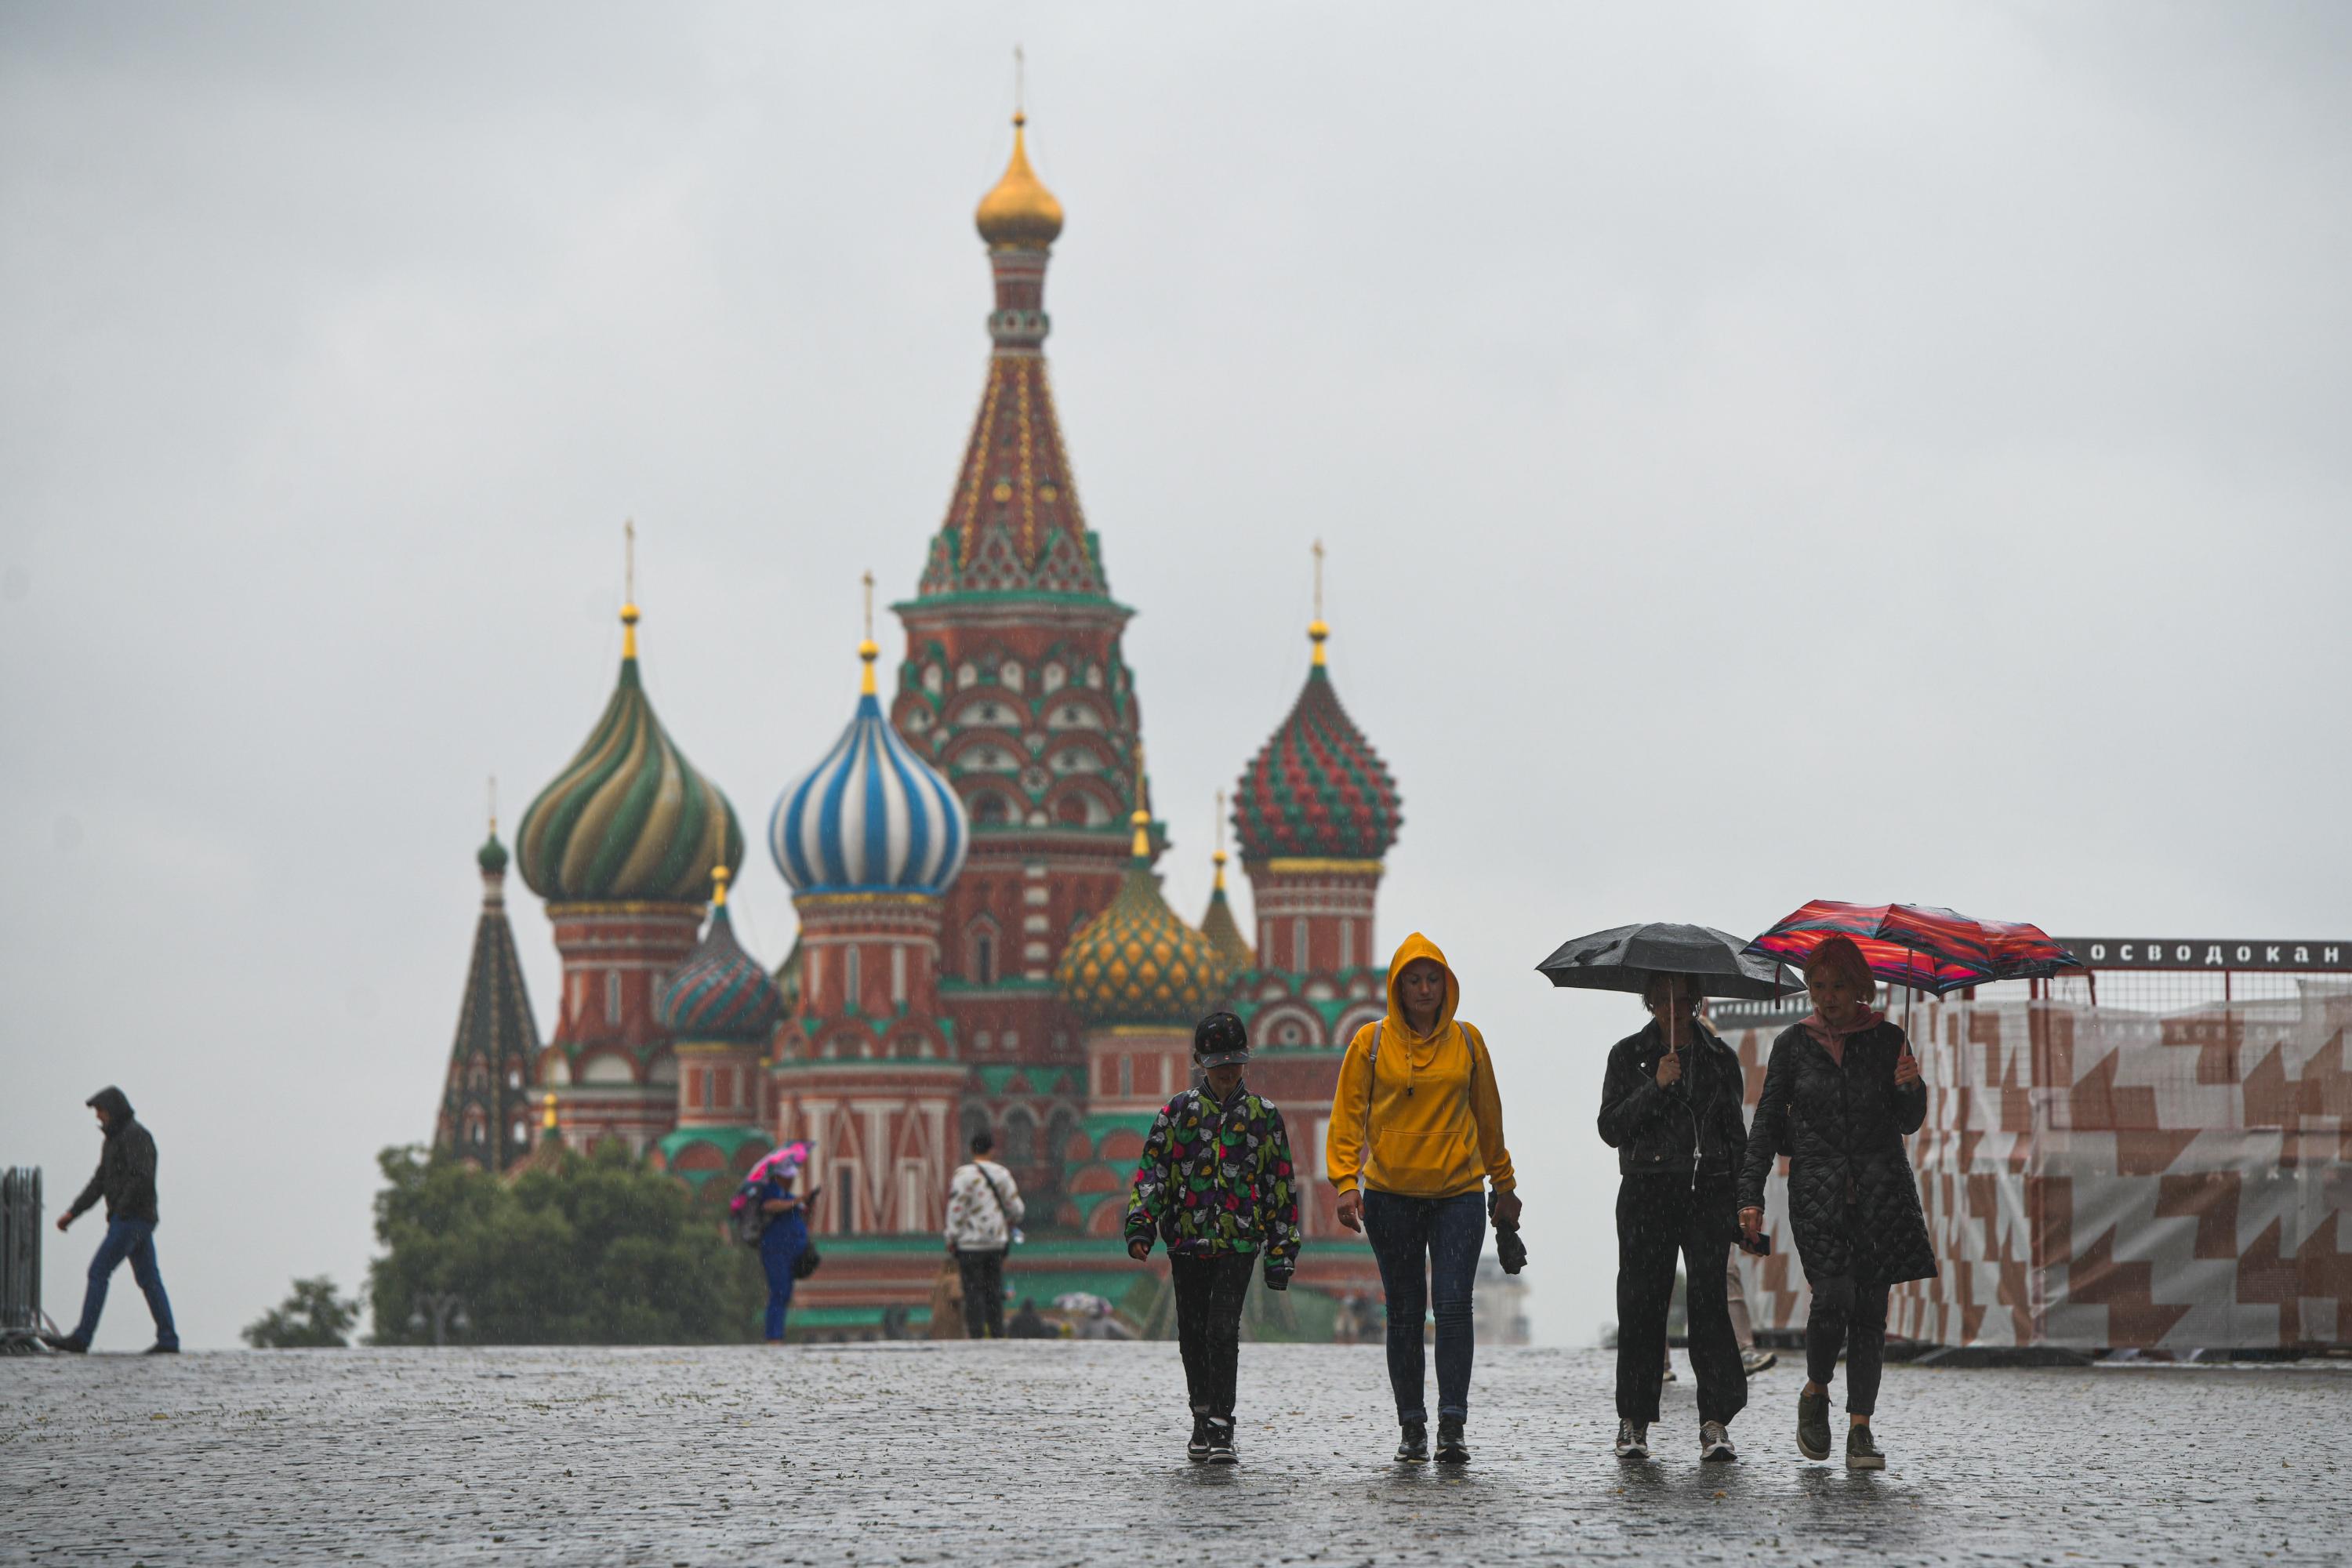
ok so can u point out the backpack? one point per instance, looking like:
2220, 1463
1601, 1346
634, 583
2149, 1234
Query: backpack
745, 1220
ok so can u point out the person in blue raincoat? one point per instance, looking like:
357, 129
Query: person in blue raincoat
785, 1236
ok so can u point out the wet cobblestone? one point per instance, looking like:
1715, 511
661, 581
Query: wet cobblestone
1062, 1453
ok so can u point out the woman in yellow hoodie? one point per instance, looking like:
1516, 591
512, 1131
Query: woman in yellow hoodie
1416, 1136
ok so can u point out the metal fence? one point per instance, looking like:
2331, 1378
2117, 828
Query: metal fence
21, 1318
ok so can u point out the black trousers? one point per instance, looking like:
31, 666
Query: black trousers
1659, 1220
1852, 1317
984, 1293
1209, 1296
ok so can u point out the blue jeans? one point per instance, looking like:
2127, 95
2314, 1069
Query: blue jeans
133, 1239
780, 1246
1418, 1241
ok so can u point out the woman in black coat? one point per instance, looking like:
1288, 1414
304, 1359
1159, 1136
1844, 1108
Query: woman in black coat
1841, 1093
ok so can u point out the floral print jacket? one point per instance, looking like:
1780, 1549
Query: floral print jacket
1217, 1178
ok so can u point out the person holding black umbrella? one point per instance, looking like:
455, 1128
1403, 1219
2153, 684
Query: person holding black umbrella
1670, 1106
1842, 1091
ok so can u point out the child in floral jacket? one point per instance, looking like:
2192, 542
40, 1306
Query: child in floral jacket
1215, 1184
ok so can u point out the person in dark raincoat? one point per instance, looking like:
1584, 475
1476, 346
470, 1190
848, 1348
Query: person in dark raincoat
1670, 1106
126, 1181
1841, 1093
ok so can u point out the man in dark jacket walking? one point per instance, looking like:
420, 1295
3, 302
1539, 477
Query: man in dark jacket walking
126, 1181
1670, 1106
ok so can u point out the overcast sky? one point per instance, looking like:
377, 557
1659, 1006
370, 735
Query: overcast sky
1765, 453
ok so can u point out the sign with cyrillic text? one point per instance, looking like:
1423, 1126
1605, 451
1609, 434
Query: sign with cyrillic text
2208, 952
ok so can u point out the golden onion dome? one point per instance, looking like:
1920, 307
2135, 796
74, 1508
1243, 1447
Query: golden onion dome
1137, 961
1020, 213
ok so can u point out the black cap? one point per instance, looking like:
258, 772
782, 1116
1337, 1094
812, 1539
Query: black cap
1220, 1040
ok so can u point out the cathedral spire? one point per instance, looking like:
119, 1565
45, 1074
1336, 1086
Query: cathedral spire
1013, 523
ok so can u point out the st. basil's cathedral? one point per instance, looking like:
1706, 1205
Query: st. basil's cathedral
983, 942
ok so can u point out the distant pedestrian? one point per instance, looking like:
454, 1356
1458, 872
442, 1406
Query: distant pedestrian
1028, 1323
1215, 1183
1416, 1132
785, 1238
984, 1210
1841, 1092
1670, 1106
126, 1180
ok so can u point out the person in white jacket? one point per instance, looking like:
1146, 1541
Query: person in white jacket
984, 1212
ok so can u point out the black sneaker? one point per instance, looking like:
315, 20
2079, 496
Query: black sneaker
1813, 1424
1715, 1443
1197, 1449
1633, 1440
66, 1342
1451, 1448
1221, 1441
1412, 1442
1861, 1453
161, 1349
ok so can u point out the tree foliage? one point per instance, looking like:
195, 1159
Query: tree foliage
313, 1317
590, 1249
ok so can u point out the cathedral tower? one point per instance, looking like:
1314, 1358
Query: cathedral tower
486, 1105
1015, 689
720, 1009
868, 1069
622, 846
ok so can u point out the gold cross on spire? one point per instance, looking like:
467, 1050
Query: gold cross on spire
1315, 630
1141, 816
1020, 85
494, 805
629, 588
1218, 858
868, 649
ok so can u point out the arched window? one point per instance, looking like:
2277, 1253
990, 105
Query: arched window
974, 1122
852, 982
982, 965
989, 810
1020, 1138
612, 996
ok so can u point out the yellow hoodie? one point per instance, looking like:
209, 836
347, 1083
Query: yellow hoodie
1436, 1118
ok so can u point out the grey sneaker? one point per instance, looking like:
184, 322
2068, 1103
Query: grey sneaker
1813, 1425
1715, 1443
1861, 1453
1753, 1361
1633, 1440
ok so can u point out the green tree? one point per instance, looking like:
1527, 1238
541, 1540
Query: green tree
313, 1317
590, 1249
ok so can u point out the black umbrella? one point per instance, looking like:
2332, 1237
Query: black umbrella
1626, 958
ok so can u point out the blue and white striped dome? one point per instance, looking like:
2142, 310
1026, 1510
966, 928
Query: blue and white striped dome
872, 818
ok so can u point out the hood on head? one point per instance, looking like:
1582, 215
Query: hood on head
1417, 946
111, 1104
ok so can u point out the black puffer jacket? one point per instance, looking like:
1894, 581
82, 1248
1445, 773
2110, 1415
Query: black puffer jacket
126, 1166
1845, 1126
1652, 1129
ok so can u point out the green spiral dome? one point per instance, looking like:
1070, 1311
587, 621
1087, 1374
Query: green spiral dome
628, 819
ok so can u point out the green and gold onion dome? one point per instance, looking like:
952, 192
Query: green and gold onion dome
628, 819
1137, 962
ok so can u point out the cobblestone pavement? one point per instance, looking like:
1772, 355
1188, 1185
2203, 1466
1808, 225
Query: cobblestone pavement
1059, 1453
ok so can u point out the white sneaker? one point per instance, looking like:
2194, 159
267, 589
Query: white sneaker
1715, 1443
1752, 1362
1633, 1440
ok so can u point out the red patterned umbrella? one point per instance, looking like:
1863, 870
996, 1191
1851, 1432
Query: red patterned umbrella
1918, 945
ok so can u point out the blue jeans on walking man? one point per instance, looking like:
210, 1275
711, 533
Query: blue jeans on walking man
133, 1239
1428, 1250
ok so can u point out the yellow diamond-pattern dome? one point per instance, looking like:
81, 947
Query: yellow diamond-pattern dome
1137, 962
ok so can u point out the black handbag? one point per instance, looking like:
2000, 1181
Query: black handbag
805, 1263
